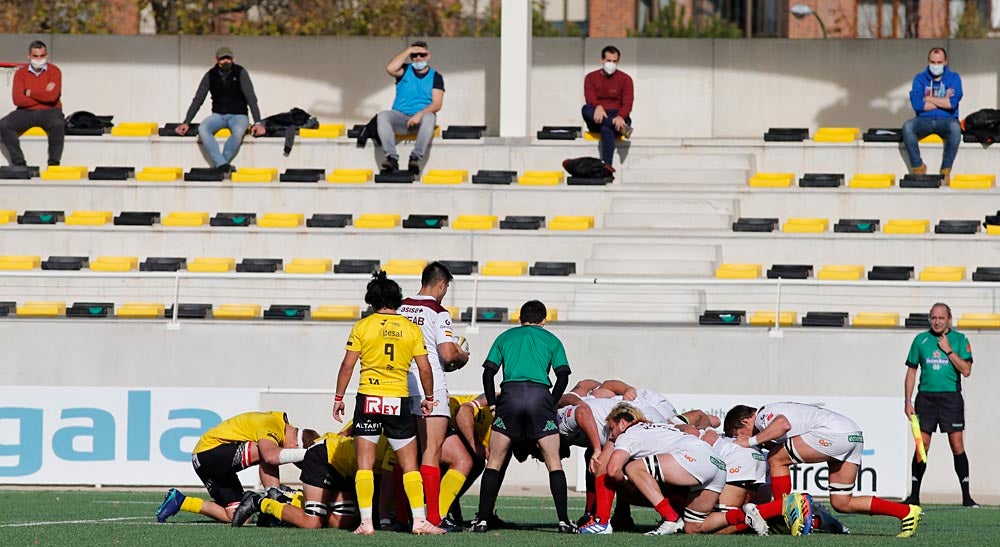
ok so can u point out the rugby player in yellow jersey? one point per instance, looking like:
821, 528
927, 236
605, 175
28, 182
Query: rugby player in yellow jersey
464, 451
265, 439
385, 342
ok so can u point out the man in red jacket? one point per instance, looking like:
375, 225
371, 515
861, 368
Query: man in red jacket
608, 93
37, 92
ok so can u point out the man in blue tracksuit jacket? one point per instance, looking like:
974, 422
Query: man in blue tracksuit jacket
934, 97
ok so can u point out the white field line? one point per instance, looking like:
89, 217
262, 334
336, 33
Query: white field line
53, 522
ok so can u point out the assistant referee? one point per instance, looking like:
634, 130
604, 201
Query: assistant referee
944, 357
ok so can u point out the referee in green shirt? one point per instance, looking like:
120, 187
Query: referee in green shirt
943, 356
526, 409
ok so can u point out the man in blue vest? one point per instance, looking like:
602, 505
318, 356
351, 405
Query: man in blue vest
232, 94
419, 96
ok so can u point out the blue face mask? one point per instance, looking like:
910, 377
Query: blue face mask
419, 65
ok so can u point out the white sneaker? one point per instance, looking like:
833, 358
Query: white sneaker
667, 527
754, 520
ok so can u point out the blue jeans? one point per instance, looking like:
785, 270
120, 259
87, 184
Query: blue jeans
237, 124
947, 128
607, 130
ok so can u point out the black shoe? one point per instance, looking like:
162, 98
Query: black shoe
478, 527
497, 523
970, 503
912, 500
249, 505
623, 523
414, 166
568, 528
390, 164
278, 494
450, 526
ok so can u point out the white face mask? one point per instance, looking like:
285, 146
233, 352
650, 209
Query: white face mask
419, 65
610, 67
936, 70
38, 64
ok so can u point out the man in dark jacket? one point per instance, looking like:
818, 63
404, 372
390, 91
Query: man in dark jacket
232, 93
934, 96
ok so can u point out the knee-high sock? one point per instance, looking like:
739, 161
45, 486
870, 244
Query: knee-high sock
364, 486
666, 511
780, 486
889, 508
402, 505
431, 477
605, 496
917, 470
590, 506
192, 505
272, 507
451, 484
414, 488
489, 487
557, 485
962, 470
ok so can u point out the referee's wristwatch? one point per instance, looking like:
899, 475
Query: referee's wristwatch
949, 354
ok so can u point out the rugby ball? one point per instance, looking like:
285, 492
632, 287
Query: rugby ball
463, 344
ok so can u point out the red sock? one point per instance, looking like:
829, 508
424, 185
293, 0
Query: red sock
605, 496
736, 516
780, 486
666, 511
432, 492
402, 503
770, 509
742, 526
889, 508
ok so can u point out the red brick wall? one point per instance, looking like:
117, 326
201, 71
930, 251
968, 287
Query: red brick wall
839, 16
933, 22
611, 18
123, 16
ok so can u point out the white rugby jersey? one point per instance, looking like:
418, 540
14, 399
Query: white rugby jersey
435, 322
803, 419
600, 408
663, 406
735, 455
646, 439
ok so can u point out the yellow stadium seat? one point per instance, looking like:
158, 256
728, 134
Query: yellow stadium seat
324, 131
140, 310
596, 136
873, 180
772, 180
160, 174
511, 268
979, 321
541, 178
942, 273
333, 312
281, 220
445, 176
932, 139
475, 222
841, 272
42, 309
906, 226
738, 271
766, 318
377, 221
223, 133
805, 225
309, 266
456, 314
237, 311
993, 230
134, 129
399, 266
876, 319
205, 264
255, 174
185, 218
7, 216
34, 132
567, 223
551, 315
89, 218
20, 262
350, 176
114, 264
64, 172
973, 182
836, 134
413, 136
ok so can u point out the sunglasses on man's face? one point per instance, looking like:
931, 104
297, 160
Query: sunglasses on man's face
418, 55
226, 58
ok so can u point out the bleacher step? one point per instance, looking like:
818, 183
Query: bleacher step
636, 267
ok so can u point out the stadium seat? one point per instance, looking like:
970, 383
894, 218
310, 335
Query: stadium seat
34, 132
857, 225
924, 181
522, 222
738, 271
890, 273
474, 222
772, 180
876, 319
400, 266
596, 136
134, 129
551, 315
20, 262
979, 321
986, 273
942, 273
836, 134
835, 319
302, 175
41, 217
821, 180
906, 226
504, 268
114, 263
139, 310
328, 220
917, 320
973, 182
324, 131
189, 311
160, 174
204, 264
89, 218
786, 134
255, 174
7, 216
237, 311
489, 176
571, 223
356, 266
747, 224
722, 317
841, 272
873, 180
163, 264
281, 220
490, 315
805, 225
42, 309
350, 176
94, 310
377, 221
285, 312
425, 222
790, 271
413, 136
64, 172
66, 263
766, 318
223, 133
185, 219
932, 139
309, 266
552, 268
541, 178
137, 218
259, 265
454, 311
967, 227
334, 312
445, 176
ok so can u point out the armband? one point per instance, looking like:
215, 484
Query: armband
338, 398
429, 398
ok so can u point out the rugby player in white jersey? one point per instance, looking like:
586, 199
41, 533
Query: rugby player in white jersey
425, 310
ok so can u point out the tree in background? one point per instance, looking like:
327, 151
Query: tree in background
54, 16
672, 22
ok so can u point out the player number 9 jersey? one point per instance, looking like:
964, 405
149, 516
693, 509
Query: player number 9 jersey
387, 343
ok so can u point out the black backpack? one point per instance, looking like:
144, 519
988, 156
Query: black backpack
585, 168
82, 119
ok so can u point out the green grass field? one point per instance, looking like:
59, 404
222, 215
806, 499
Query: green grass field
80, 518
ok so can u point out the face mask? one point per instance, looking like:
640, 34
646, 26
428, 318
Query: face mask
936, 70
419, 65
610, 67
38, 64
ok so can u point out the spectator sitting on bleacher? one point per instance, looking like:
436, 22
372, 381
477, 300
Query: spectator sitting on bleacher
934, 97
37, 95
419, 96
608, 93
232, 93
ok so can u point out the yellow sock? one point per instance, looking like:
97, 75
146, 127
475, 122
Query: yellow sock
299, 499
413, 485
364, 485
272, 507
451, 483
192, 505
